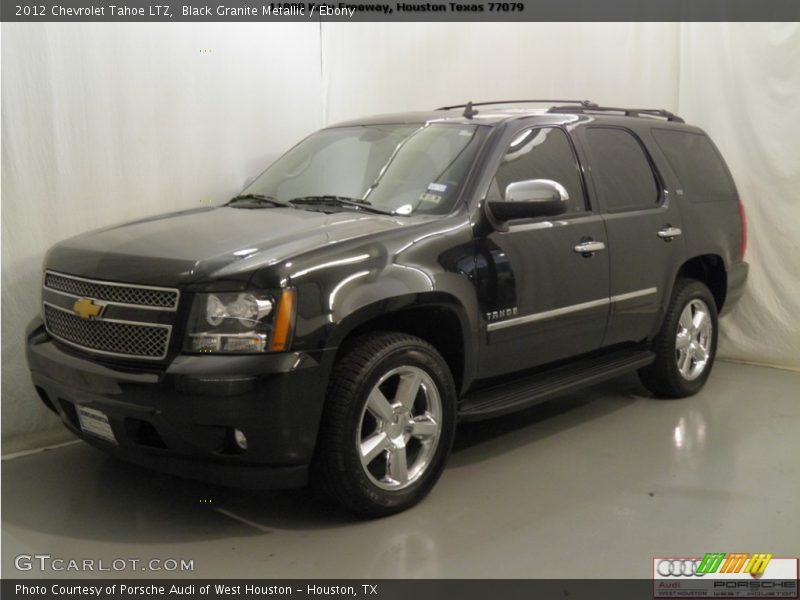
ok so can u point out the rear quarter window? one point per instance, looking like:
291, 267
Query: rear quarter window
621, 171
701, 172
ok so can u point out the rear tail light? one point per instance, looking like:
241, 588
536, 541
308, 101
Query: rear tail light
743, 216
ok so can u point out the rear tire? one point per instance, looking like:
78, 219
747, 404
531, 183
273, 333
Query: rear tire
388, 425
686, 345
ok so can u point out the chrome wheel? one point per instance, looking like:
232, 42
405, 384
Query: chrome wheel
399, 428
693, 340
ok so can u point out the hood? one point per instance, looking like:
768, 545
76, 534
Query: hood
207, 244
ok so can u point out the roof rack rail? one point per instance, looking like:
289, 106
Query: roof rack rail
628, 112
586, 103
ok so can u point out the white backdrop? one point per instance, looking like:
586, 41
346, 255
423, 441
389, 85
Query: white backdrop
741, 83
104, 123
371, 67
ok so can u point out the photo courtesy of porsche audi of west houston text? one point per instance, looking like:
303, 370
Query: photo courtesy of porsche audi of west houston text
249, 590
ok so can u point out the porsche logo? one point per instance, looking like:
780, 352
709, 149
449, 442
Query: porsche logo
86, 308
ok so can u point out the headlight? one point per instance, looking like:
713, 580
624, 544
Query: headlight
241, 322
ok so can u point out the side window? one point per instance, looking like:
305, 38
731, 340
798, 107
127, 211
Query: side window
620, 170
697, 164
542, 153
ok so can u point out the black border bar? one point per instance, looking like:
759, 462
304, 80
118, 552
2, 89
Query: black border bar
419, 589
397, 11
359, 589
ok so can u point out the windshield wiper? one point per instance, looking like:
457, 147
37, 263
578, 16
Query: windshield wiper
327, 200
255, 199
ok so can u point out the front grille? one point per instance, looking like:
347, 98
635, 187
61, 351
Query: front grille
117, 293
108, 337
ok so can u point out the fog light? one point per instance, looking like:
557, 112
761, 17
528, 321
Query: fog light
240, 438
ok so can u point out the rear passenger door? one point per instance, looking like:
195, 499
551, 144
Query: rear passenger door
645, 233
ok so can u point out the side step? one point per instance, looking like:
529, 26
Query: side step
528, 390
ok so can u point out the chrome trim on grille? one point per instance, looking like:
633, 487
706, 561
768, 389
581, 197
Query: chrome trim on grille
163, 354
133, 287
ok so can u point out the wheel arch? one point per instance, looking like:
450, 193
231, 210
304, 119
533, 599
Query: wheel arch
710, 270
436, 317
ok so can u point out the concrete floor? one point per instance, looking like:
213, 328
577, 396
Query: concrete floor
592, 485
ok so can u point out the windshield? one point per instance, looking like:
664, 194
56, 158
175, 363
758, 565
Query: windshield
396, 168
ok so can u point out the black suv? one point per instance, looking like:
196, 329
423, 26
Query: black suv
386, 278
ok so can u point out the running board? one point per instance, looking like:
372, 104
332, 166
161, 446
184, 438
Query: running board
528, 390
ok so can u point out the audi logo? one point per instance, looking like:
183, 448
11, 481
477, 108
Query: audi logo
679, 567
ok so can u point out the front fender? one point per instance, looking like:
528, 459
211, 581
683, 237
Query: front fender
425, 266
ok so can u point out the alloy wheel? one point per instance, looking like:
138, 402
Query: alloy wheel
693, 339
400, 428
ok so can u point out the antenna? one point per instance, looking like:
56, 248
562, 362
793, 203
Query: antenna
469, 112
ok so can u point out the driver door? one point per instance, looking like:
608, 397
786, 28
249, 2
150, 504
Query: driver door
543, 298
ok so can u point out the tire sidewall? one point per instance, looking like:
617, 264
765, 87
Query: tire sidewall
397, 356
692, 291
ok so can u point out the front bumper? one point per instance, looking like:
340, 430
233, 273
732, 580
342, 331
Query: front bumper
180, 419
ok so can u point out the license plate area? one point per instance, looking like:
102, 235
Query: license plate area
95, 422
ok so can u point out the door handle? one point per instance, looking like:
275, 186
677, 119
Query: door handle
589, 247
669, 232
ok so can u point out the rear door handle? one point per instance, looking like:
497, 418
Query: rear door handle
589, 247
669, 232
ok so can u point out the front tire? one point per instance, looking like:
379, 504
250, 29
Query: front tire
388, 425
686, 345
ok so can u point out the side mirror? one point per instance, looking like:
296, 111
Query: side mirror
529, 199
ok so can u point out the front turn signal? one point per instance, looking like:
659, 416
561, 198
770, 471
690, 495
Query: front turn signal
284, 321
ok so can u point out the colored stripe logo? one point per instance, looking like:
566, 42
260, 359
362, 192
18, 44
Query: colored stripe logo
735, 562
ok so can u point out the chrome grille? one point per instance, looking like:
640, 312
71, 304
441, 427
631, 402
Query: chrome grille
117, 293
118, 338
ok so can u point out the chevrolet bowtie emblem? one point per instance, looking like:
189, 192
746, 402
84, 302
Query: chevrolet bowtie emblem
85, 308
